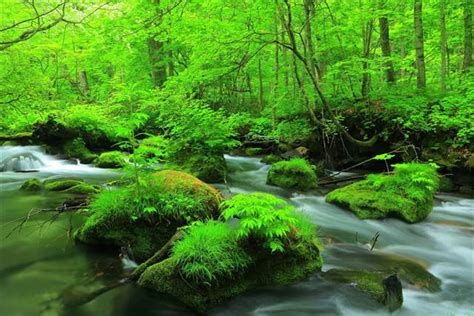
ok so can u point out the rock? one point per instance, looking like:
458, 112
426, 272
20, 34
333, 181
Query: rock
271, 159
173, 199
253, 151
393, 294
267, 270
77, 149
83, 189
32, 184
446, 184
407, 194
52, 132
17, 139
293, 174
299, 152
111, 159
382, 286
61, 184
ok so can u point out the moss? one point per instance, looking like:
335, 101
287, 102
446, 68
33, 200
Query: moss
77, 149
369, 282
293, 174
111, 159
145, 218
267, 269
446, 184
83, 188
271, 159
32, 184
407, 194
61, 184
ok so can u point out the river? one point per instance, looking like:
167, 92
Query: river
40, 264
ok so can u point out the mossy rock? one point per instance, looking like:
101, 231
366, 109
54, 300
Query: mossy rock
271, 159
383, 287
111, 159
211, 168
267, 270
446, 184
83, 189
407, 194
77, 149
61, 184
31, 185
177, 198
293, 174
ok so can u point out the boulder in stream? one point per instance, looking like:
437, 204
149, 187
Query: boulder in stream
293, 174
111, 159
77, 149
406, 194
33, 184
143, 217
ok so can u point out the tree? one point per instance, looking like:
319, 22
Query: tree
419, 45
385, 43
443, 44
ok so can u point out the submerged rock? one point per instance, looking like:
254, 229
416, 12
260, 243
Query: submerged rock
382, 286
407, 194
144, 218
84, 189
32, 184
111, 159
293, 174
61, 184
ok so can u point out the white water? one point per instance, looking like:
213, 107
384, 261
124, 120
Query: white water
20, 163
443, 243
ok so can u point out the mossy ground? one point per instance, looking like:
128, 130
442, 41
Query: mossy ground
293, 174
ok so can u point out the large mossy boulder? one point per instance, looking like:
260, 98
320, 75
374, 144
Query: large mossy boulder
143, 217
31, 185
111, 159
262, 241
76, 149
293, 174
210, 168
406, 194
61, 184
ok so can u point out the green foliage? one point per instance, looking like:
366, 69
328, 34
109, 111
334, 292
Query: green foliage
209, 252
296, 173
383, 157
267, 219
294, 131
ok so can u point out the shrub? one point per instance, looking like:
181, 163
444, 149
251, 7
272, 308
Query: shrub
209, 252
296, 173
267, 218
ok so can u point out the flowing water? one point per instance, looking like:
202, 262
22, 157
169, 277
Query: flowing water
40, 265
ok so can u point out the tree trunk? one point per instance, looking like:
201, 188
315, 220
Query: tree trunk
260, 85
367, 39
155, 53
277, 76
467, 34
443, 44
419, 45
385, 44
83, 83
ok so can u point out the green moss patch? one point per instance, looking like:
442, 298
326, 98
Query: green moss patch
77, 149
111, 159
293, 174
271, 159
407, 194
31, 185
84, 189
61, 184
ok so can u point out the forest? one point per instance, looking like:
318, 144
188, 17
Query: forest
236, 157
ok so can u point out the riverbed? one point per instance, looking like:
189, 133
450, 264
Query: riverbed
40, 265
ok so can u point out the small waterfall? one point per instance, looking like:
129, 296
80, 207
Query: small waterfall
23, 158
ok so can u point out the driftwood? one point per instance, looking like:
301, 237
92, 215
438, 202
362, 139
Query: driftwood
158, 256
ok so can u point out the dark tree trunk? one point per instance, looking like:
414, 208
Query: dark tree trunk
419, 45
443, 44
156, 55
385, 44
